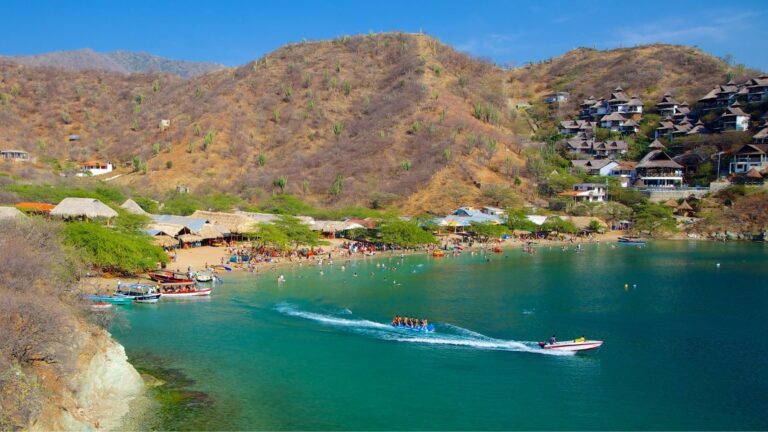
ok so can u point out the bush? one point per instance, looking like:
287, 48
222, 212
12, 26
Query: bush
114, 250
405, 234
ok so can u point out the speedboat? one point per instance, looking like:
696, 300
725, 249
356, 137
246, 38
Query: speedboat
140, 293
572, 345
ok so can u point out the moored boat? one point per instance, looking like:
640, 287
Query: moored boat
632, 241
113, 299
183, 290
101, 305
572, 345
204, 276
169, 276
140, 293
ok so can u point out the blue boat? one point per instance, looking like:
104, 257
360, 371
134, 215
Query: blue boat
430, 328
113, 299
140, 293
631, 241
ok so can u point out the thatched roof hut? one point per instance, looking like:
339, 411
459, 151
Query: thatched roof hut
209, 231
88, 208
671, 203
165, 241
132, 207
7, 213
234, 223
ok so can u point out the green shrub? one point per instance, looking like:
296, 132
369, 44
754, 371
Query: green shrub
113, 250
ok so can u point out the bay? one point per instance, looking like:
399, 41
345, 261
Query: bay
684, 348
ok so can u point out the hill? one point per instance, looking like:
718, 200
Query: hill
117, 61
386, 120
647, 71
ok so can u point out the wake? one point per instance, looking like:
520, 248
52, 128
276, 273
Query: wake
448, 335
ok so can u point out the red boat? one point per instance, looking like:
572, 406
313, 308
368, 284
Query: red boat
170, 277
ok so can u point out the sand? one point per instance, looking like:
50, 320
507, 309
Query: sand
198, 258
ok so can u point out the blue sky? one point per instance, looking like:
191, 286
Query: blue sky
508, 32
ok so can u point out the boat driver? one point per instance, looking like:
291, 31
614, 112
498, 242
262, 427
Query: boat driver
553, 340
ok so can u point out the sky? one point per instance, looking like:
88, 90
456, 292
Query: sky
511, 33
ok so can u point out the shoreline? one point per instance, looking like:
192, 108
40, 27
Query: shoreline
196, 259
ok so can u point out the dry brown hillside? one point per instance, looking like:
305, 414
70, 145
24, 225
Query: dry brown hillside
352, 120
648, 71
388, 120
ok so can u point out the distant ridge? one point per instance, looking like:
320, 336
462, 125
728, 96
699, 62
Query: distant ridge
125, 62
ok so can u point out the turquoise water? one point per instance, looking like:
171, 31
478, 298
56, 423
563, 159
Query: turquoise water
685, 343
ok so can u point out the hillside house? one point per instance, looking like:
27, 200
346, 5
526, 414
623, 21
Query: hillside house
595, 167
748, 156
572, 127
634, 109
757, 89
667, 107
625, 171
753, 177
556, 97
610, 148
666, 127
734, 118
495, 211
592, 109
613, 121
657, 170
587, 192
761, 137
690, 160
682, 111
14, 155
720, 96
698, 129
629, 127
619, 101
94, 168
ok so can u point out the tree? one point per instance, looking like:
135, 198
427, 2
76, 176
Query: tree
517, 219
405, 234
486, 230
337, 186
654, 218
559, 225
297, 232
281, 182
267, 234
114, 250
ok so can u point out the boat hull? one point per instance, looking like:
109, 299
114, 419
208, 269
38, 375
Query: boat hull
184, 294
429, 329
116, 299
572, 345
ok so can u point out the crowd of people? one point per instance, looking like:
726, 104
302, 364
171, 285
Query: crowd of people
409, 322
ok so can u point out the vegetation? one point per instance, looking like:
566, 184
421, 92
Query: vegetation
118, 250
654, 218
405, 234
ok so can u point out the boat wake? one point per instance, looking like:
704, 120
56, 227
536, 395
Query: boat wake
447, 334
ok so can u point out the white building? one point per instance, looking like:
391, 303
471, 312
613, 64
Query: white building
94, 168
587, 192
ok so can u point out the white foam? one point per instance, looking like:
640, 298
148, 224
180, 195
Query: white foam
460, 337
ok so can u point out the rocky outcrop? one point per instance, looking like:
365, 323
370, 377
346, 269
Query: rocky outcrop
99, 394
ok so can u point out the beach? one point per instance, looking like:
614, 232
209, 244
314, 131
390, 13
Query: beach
200, 258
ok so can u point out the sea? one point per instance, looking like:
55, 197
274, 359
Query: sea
683, 324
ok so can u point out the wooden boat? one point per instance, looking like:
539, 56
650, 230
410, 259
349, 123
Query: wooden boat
184, 290
113, 299
140, 293
101, 305
169, 276
631, 241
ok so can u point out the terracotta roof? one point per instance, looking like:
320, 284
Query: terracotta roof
35, 207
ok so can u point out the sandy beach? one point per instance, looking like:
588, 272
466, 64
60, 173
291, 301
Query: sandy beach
195, 259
